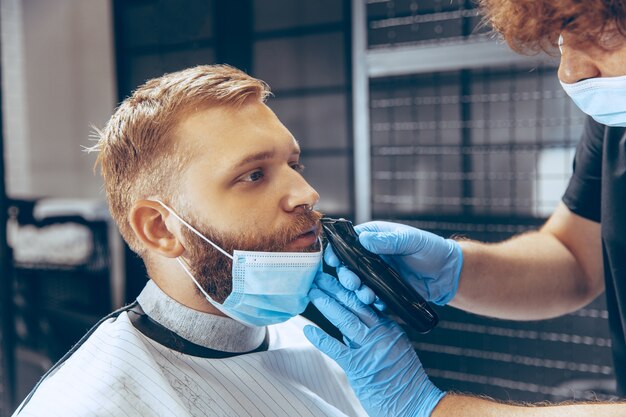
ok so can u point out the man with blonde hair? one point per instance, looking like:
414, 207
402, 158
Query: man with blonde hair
205, 184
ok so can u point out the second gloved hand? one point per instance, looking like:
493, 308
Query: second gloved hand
378, 358
427, 262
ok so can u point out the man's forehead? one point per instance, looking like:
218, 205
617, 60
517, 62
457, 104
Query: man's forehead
236, 136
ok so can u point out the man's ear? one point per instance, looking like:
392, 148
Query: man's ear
148, 220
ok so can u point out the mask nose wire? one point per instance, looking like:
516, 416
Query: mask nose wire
193, 229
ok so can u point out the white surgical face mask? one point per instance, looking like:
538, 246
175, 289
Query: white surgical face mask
602, 98
267, 287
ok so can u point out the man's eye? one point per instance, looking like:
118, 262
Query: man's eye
298, 167
254, 176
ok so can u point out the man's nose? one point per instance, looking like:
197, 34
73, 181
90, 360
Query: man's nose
576, 65
300, 194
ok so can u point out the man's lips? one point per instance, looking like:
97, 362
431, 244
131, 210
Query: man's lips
305, 239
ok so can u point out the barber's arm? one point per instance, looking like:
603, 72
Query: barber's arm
387, 376
536, 275
466, 406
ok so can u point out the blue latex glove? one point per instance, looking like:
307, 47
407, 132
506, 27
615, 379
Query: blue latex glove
427, 262
378, 358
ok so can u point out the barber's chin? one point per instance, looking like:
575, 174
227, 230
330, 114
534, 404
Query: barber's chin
304, 243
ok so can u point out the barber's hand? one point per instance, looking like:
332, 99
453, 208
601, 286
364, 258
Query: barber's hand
427, 262
378, 358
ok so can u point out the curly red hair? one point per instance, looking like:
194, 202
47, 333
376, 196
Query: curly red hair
533, 25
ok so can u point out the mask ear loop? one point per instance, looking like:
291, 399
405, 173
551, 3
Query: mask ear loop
208, 297
193, 229
186, 268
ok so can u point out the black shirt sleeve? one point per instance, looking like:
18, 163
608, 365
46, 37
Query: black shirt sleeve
583, 194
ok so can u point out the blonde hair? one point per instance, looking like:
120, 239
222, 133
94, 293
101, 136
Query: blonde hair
138, 153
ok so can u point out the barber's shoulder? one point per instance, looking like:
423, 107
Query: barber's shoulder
593, 130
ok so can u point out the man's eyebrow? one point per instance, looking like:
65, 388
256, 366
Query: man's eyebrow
261, 156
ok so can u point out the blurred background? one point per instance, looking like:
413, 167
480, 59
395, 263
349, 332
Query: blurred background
406, 110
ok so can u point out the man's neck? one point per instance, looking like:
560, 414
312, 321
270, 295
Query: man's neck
208, 330
174, 281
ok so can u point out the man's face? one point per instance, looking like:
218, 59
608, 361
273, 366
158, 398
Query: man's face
243, 190
592, 61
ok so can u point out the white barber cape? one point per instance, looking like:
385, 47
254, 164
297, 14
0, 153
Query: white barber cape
122, 371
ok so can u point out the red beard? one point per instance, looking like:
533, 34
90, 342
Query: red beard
212, 269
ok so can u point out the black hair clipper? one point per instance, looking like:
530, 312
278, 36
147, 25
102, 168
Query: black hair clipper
401, 299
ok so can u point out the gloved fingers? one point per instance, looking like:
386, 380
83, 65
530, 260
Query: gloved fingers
349, 299
340, 316
348, 278
349, 343
380, 304
365, 294
326, 344
389, 243
330, 257
352, 282
377, 226
373, 242
328, 283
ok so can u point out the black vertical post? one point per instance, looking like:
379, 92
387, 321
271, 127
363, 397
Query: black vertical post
466, 118
233, 33
7, 372
122, 69
466, 141
347, 36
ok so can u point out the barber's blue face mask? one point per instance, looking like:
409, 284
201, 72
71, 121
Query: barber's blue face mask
604, 99
267, 287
